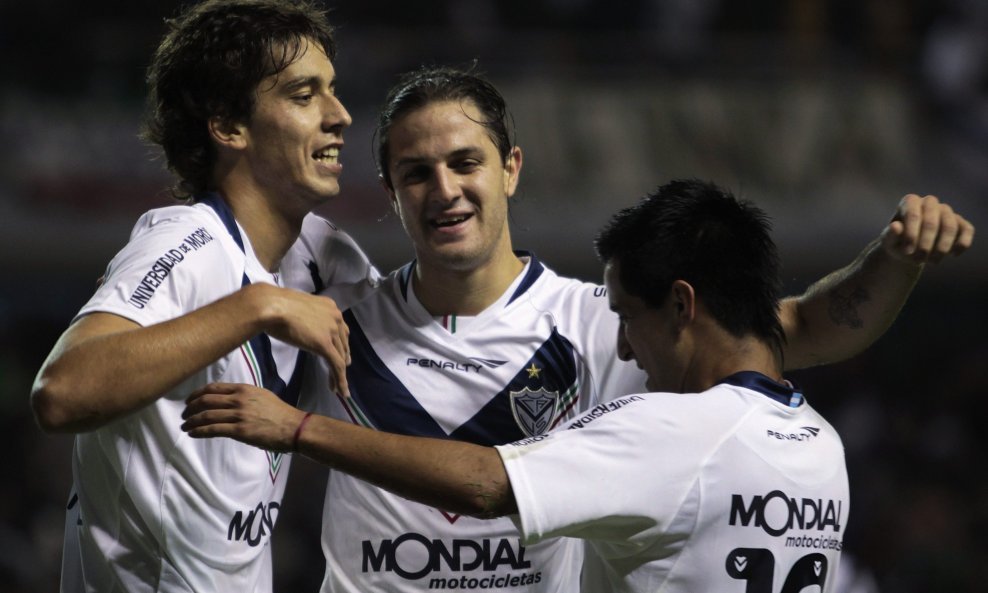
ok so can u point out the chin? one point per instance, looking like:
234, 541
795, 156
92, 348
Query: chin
458, 259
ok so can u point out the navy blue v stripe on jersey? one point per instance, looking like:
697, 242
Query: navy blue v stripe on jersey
391, 407
495, 423
261, 343
222, 209
386, 402
535, 269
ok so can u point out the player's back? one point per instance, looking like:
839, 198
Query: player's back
764, 511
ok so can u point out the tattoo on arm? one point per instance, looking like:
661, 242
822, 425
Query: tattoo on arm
844, 306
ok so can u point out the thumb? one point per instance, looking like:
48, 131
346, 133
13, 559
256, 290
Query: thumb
893, 239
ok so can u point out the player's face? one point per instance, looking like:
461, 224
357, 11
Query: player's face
646, 335
294, 136
450, 185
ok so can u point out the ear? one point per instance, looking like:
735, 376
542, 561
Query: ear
227, 133
684, 301
512, 170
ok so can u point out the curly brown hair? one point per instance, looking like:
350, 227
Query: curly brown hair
209, 64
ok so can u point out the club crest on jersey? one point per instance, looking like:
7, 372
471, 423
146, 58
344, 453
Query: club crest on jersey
534, 411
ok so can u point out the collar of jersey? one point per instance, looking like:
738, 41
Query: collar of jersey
786, 395
535, 269
222, 209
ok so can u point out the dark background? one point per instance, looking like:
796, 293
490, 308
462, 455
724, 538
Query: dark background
824, 113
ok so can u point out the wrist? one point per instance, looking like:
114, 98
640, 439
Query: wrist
261, 306
900, 262
298, 431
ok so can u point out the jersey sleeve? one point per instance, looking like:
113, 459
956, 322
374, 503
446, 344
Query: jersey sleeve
171, 265
586, 479
326, 260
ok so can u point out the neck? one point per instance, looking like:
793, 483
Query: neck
271, 232
724, 355
446, 291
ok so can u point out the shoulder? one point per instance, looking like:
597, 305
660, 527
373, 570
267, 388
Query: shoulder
320, 238
179, 232
551, 291
690, 417
386, 295
174, 218
178, 258
324, 255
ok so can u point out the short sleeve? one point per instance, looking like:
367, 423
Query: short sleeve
615, 472
176, 261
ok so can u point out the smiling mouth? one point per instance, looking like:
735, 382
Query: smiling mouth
328, 155
448, 221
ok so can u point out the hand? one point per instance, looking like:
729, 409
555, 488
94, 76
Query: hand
249, 414
313, 323
926, 229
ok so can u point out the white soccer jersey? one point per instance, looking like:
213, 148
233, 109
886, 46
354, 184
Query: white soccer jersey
153, 509
728, 490
544, 352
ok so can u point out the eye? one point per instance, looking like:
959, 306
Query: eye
415, 175
302, 99
466, 165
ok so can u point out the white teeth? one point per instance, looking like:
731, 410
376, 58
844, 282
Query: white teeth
452, 220
327, 154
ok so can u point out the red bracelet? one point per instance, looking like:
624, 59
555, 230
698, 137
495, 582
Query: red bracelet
298, 431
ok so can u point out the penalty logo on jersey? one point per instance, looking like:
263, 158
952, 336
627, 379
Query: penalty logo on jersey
534, 411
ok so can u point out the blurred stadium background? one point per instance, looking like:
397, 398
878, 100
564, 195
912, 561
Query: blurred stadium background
824, 112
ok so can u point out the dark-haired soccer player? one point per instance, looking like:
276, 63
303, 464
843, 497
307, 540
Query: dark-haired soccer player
243, 104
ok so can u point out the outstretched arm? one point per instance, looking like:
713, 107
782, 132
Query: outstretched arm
105, 366
452, 475
846, 311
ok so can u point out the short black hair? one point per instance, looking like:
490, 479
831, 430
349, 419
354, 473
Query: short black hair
210, 64
698, 232
433, 84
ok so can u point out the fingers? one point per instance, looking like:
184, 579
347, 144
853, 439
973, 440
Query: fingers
343, 341
214, 388
929, 226
342, 387
221, 422
965, 236
216, 396
337, 374
926, 229
943, 243
341, 344
315, 323
910, 214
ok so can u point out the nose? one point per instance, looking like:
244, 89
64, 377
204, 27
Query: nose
335, 115
446, 187
624, 350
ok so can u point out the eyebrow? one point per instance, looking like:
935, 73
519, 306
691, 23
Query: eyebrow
306, 81
458, 153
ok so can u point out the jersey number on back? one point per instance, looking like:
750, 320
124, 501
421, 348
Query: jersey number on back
756, 566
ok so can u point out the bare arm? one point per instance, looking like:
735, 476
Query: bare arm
104, 366
846, 311
452, 475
